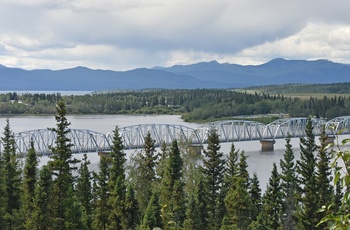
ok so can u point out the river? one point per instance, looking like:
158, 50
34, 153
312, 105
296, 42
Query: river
258, 161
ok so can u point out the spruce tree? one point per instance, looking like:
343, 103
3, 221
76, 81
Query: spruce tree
192, 219
323, 176
84, 191
306, 167
213, 170
42, 212
255, 197
238, 204
272, 201
202, 205
61, 164
288, 186
132, 210
101, 208
117, 184
12, 176
28, 186
153, 215
143, 172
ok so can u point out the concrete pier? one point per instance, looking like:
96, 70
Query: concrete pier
330, 140
267, 145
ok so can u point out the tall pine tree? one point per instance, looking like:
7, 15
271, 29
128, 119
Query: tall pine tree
61, 164
213, 170
306, 167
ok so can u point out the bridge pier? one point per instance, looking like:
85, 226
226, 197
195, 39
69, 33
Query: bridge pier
267, 145
105, 154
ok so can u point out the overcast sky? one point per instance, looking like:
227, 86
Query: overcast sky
128, 34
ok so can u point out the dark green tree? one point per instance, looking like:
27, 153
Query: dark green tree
323, 176
288, 186
42, 213
12, 177
238, 204
61, 164
117, 184
153, 215
192, 219
132, 209
28, 186
255, 197
143, 172
101, 208
306, 167
202, 205
272, 201
84, 191
213, 171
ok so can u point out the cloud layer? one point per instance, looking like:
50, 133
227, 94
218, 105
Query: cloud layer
126, 34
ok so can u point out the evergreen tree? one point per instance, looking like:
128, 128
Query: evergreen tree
255, 197
28, 185
143, 172
272, 201
323, 176
172, 173
12, 176
153, 215
213, 170
202, 205
73, 212
101, 208
132, 211
42, 214
84, 191
61, 165
117, 184
306, 167
238, 204
288, 186
192, 215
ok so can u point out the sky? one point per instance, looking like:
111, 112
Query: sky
129, 34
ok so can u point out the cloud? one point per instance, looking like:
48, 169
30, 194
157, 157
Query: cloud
122, 34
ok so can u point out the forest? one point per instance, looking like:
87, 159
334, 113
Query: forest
175, 188
199, 105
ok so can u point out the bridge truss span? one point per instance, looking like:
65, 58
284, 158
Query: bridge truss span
43, 139
294, 127
233, 130
133, 136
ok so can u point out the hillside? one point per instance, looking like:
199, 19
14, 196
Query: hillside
200, 75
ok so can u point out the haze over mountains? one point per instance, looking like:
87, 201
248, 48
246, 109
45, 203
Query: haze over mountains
200, 75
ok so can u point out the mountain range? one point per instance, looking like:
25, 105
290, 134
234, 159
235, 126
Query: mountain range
201, 75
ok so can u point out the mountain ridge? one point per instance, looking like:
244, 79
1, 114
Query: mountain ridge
199, 75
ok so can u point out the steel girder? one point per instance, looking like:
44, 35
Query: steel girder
233, 130
43, 139
293, 127
133, 136
339, 125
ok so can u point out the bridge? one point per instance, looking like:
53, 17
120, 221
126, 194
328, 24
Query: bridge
133, 136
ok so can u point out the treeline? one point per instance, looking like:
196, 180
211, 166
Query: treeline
174, 188
194, 105
335, 88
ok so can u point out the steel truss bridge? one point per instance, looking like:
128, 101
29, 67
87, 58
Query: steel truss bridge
133, 136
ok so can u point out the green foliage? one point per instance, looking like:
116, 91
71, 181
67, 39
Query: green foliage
338, 217
306, 167
213, 171
288, 187
194, 105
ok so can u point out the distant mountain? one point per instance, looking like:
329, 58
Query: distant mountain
201, 75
